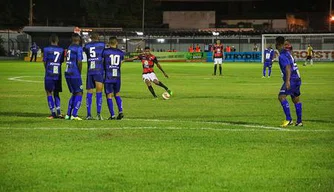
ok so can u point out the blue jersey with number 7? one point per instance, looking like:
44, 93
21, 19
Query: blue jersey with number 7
53, 57
112, 58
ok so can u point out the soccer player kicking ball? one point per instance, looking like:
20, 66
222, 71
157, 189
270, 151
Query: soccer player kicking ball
148, 60
53, 57
112, 60
95, 74
268, 60
73, 77
291, 83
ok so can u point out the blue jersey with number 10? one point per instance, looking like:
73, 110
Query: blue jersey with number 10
53, 57
74, 54
94, 51
112, 63
285, 59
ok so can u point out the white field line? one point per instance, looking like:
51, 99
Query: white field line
21, 78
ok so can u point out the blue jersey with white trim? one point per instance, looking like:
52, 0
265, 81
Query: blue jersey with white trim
73, 56
94, 52
285, 59
112, 58
269, 55
53, 57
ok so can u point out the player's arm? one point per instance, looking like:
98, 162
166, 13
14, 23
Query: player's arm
288, 75
159, 66
131, 59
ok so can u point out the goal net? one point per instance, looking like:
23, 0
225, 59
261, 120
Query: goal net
323, 45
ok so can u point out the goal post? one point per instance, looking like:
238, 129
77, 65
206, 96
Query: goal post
322, 43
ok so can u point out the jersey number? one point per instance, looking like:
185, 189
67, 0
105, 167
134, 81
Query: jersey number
57, 54
114, 59
92, 52
68, 55
267, 55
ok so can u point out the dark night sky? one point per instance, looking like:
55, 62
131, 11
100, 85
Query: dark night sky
70, 12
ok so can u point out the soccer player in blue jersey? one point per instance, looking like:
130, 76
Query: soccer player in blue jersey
73, 77
268, 60
112, 60
95, 72
53, 57
291, 83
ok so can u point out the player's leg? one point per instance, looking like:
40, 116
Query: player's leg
295, 96
264, 70
31, 57
35, 55
71, 100
108, 89
269, 70
311, 60
99, 87
285, 105
220, 67
149, 86
77, 84
49, 87
117, 88
90, 88
214, 66
58, 88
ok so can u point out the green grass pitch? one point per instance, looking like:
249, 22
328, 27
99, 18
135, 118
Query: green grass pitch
214, 134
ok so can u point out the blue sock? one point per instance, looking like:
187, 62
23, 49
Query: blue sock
99, 102
70, 106
57, 103
89, 103
269, 71
298, 107
119, 104
286, 109
111, 107
264, 71
77, 104
51, 105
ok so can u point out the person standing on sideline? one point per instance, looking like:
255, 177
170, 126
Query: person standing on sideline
53, 58
310, 55
291, 83
95, 72
73, 77
269, 54
34, 50
218, 55
112, 61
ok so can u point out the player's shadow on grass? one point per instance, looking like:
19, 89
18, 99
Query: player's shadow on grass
23, 114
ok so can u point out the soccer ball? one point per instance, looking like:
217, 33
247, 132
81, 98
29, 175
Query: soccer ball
166, 95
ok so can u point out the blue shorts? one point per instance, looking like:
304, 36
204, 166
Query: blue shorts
90, 81
53, 85
267, 64
112, 87
294, 90
74, 85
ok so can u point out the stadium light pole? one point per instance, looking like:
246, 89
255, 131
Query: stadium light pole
143, 17
30, 13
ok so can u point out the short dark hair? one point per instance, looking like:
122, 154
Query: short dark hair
280, 40
112, 40
147, 47
76, 37
95, 35
54, 38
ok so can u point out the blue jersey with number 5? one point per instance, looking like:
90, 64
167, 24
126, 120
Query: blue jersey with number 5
73, 55
112, 58
53, 57
94, 52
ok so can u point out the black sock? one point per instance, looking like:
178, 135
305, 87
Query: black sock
162, 85
152, 91
220, 69
215, 69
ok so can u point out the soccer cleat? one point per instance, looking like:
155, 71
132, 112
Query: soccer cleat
268, 76
170, 92
76, 118
60, 116
51, 117
89, 117
99, 117
286, 123
67, 117
263, 76
112, 118
300, 124
120, 116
